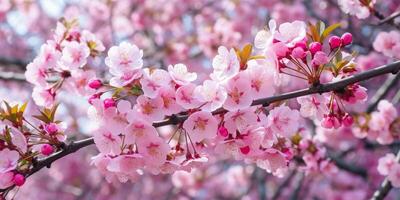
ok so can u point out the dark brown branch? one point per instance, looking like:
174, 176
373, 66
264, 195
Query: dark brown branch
333, 86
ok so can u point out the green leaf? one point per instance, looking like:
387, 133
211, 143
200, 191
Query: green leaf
329, 30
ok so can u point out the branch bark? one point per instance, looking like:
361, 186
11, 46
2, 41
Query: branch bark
176, 119
385, 187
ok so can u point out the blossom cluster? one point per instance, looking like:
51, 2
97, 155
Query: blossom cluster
62, 62
388, 43
217, 116
24, 141
211, 118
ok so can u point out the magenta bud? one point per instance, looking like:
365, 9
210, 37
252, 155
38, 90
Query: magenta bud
51, 128
347, 120
109, 103
95, 84
315, 47
299, 53
47, 149
335, 42
347, 38
19, 179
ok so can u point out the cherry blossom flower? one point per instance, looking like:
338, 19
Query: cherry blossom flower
260, 77
264, 38
150, 109
211, 94
92, 41
388, 43
238, 91
313, 106
185, 97
139, 131
283, 120
291, 33
354, 7
154, 152
201, 125
74, 56
6, 179
386, 163
8, 160
169, 100
125, 63
180, 75
36, 72
43, 97
394, 175
226, 64
125, 167
239, 120
107, 142
273, 161
153, 81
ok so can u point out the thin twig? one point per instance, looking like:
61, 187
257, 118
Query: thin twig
383, 91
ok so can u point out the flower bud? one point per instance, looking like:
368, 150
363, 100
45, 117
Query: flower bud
347, 38
51, 128
95, 84
110, 102
320, 58
47, 149
19, 179
299, 53
315, 47
347, 120
335, 42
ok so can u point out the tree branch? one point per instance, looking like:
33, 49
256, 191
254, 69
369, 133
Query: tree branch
385, 187
176, 119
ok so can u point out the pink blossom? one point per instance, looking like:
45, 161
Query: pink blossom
6, 179
92, 41
153, 81
125, 63
74, 56
180, 75
260, 80
320, 58
36, 72
388, 43
283, 120
394, 175
264, 38
139, 131
313, 106
8, 160
238, 91
387, 110
154, 152
125, 167
239, 120
150, 109
107, 142
185, 97
386, 163
273, 161
43, 97
225, 64
211, 95
291, 33
354, 7
201, 125
169, 100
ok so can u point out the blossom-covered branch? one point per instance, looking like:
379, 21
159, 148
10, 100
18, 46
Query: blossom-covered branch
176, 119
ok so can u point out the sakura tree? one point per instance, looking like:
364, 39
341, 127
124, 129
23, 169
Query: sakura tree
146, 99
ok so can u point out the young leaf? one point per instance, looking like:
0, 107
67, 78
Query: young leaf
329, 30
